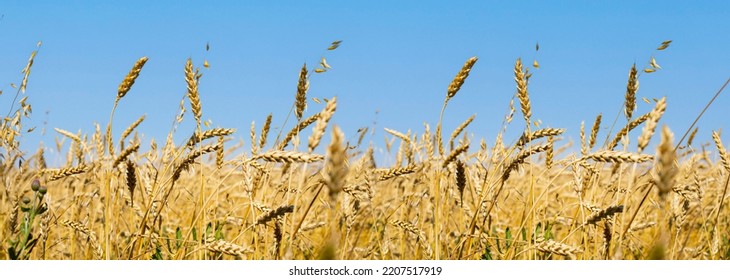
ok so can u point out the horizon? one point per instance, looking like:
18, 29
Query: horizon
391, 70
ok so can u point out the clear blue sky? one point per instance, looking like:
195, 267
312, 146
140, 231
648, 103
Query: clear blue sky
397, 58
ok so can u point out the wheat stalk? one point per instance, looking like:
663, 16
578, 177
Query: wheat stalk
93, 240
625, 130
129, 130
594, 132
228, 248
336, 166
125, 153
520, 158
692, 136
654, 116
301, 96
665, 168
65, 172
631, 88
69, 135
455, 153
416, 231
288, 157
297, 129
190, 159
321, 125
458, 81
265, 132
131, 178
276, 213
537, 134
386, 174
460, 179
617, 157
197, 137
554, 247
522, 91
219, 153
603, 214
398, 134
724, 157
549, 153
130, 78
191, 77
459, 129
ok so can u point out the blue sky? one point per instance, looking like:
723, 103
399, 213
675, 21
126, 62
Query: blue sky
393, 67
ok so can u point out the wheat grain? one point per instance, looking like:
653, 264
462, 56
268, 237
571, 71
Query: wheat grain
265, 132
93, 241
69, 135
583, 142
625, 130
522, 94
386, 174
130, 78
458, 81
398, 134
459, 129
724, 157
219, 153
125, 153
520, 158
301, 96
297, 129
617, 157
65, 172
131, 180
537, 134
631, 88
460, 179
554, 247
288, 157
276, 213
604, 214
191, 77
336, 167
190, 159
129, 130
198, 137
692, 136
455, 153
549, 153
666, 168
594, 132
321, 125
228, 248
650, 125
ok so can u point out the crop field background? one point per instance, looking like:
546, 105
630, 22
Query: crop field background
303, 184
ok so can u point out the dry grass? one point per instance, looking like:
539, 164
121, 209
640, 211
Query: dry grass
534, 199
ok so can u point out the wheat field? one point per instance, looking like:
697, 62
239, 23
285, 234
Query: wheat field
446, 195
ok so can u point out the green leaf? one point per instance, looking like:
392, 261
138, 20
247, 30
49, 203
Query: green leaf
158, 253
11, 253
508, 237
218, 231
524, 234
178, 237
549, 232
487, 255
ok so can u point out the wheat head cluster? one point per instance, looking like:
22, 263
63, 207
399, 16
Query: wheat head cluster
533, 197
